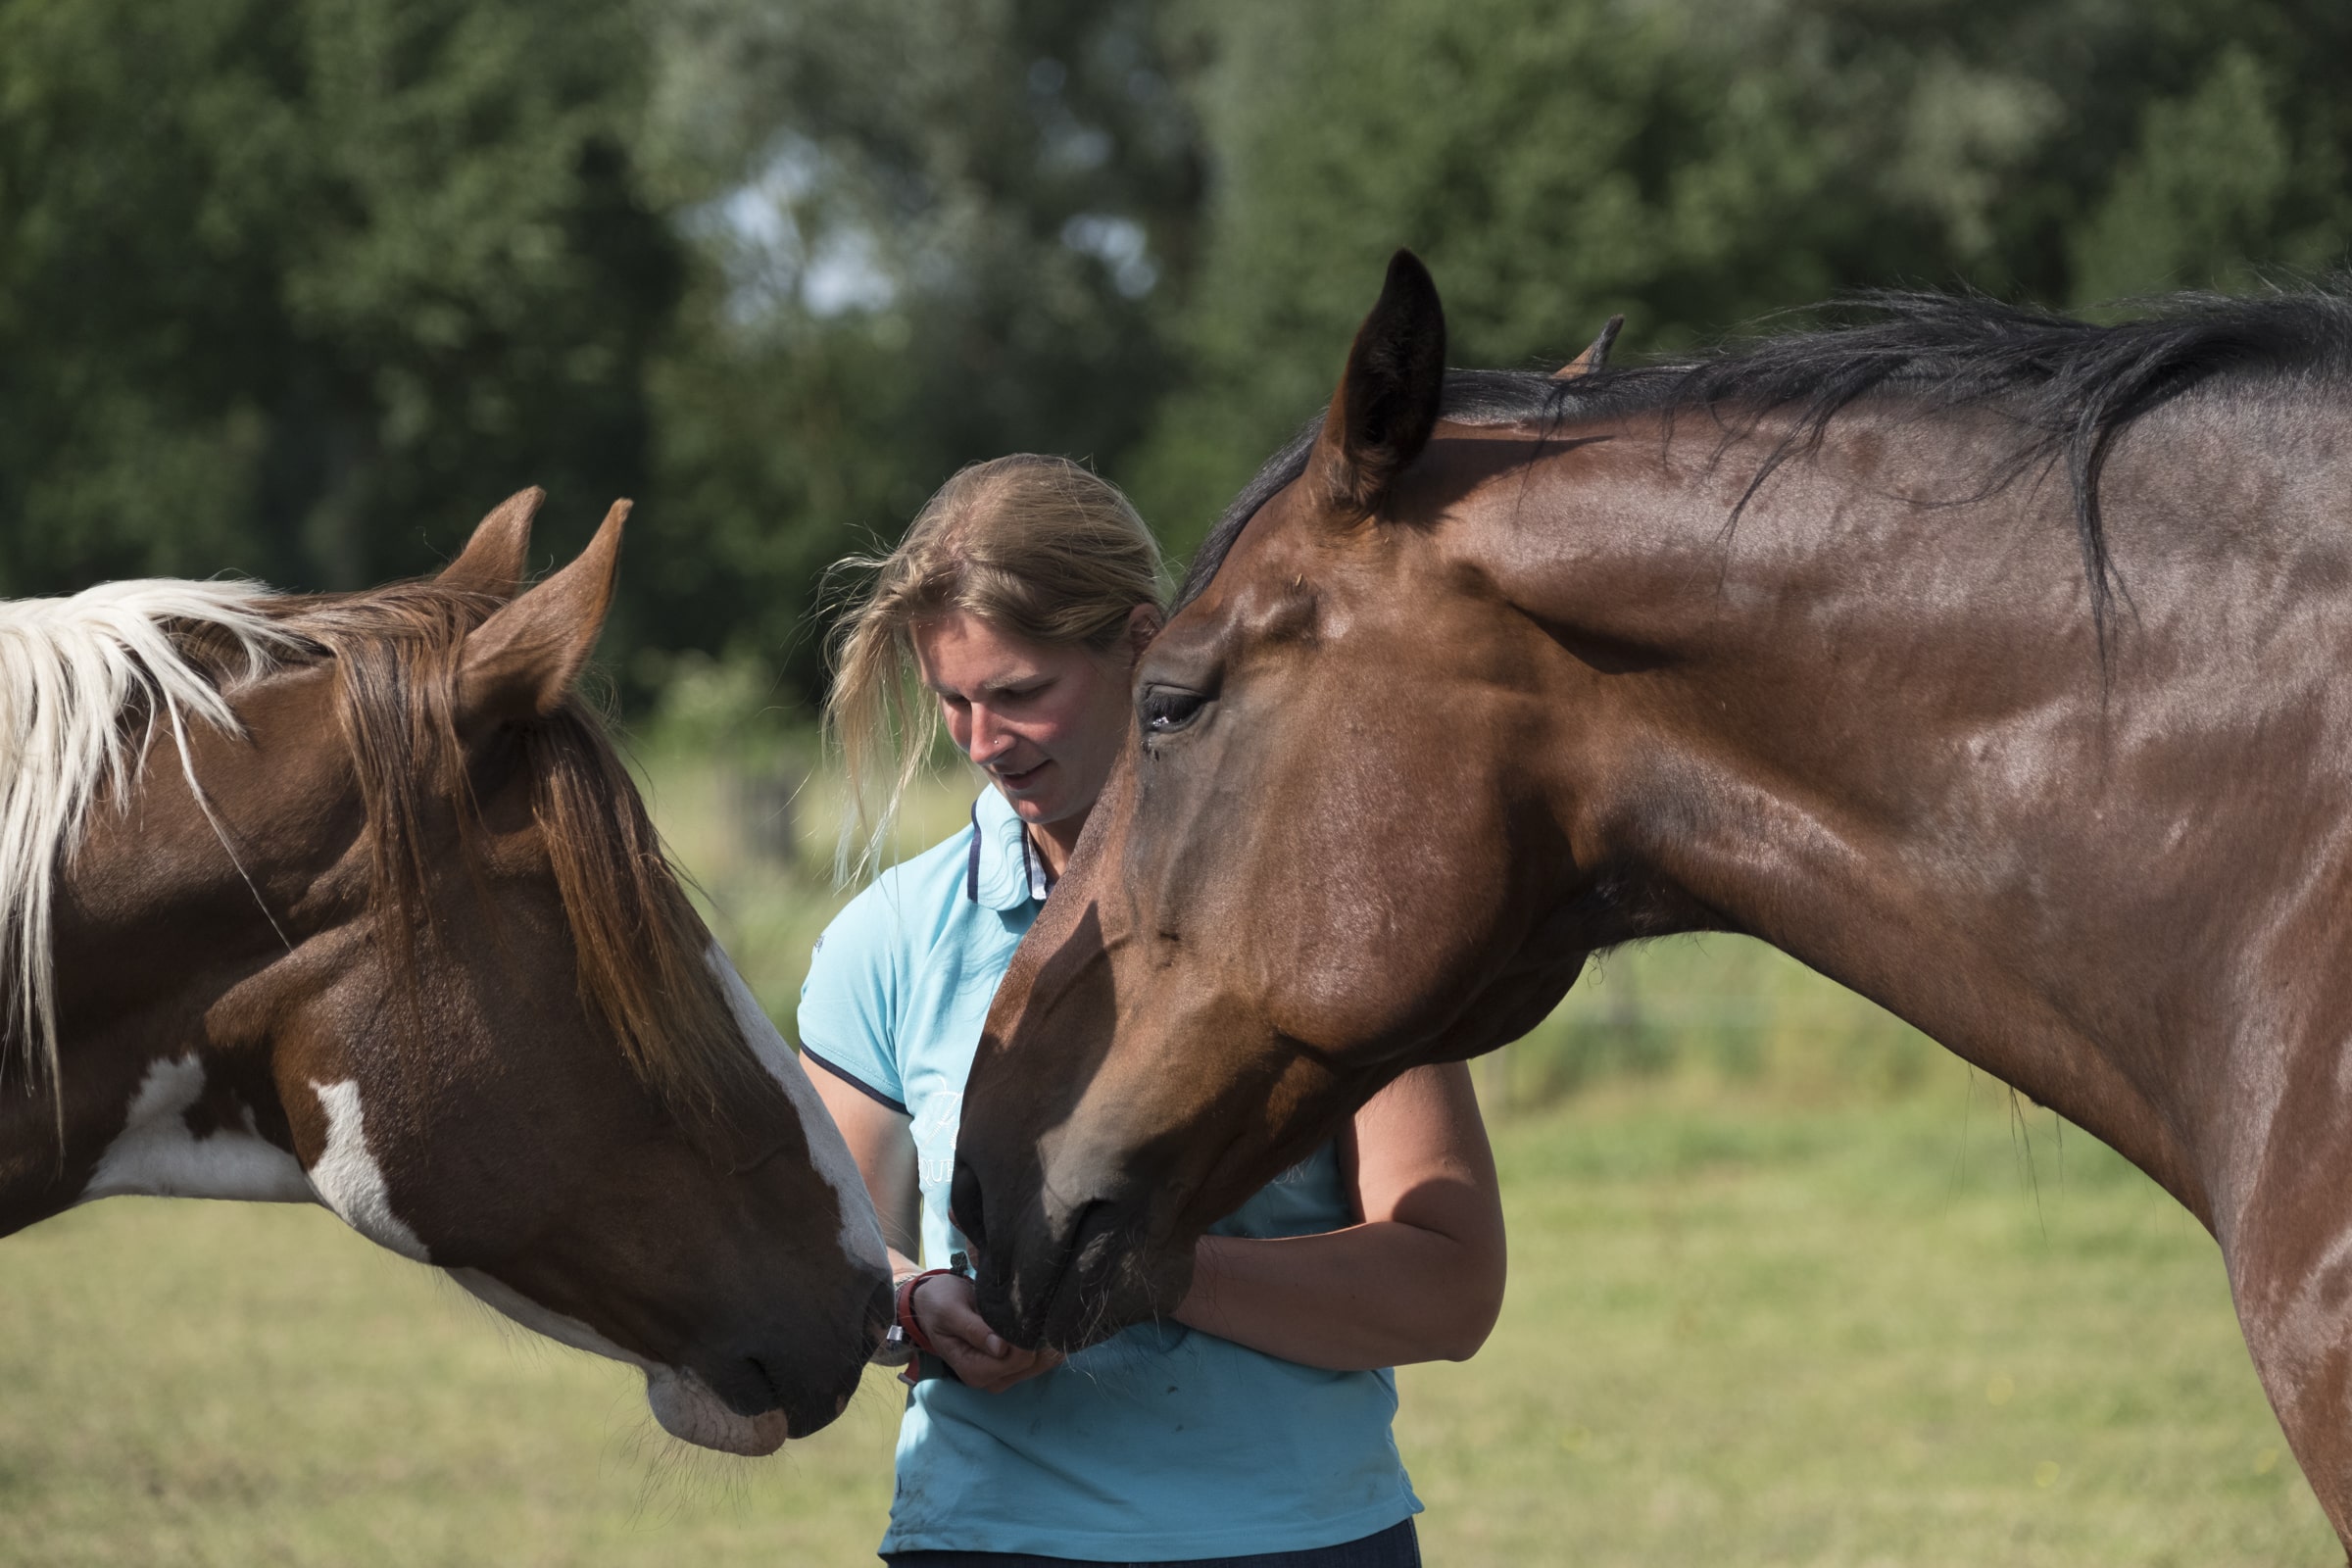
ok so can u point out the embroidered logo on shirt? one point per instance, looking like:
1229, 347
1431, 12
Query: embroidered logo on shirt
935, 1136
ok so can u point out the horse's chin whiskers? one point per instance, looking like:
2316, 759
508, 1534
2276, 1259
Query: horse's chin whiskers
685, 1406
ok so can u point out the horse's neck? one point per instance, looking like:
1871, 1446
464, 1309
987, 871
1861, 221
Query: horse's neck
145, 1103
168, 1124
144, 1115
1878, 735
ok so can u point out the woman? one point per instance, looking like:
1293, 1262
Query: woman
1253, 1426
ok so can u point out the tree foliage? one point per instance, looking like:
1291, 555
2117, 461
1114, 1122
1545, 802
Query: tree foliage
1698, 163
298, 288
933, 233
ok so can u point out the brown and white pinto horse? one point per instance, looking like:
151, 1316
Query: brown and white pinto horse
1490, 671
348, 899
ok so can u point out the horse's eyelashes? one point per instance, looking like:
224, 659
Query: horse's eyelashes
1165, 709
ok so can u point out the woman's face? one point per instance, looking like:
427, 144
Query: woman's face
1043, 722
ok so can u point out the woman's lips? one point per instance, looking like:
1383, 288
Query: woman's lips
1022, 781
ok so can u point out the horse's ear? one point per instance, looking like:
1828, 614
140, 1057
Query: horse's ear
1596, 353
1388, 400
492, 561
521, 662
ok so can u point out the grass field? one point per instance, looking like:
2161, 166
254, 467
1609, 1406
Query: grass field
1740, 1331
1787, 1285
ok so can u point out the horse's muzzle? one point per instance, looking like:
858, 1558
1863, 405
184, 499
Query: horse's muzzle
1067, 1275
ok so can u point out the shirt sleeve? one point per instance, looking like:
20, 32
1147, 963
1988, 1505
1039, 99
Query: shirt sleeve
849, 1002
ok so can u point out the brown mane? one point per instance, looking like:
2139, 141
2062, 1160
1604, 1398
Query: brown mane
641, 948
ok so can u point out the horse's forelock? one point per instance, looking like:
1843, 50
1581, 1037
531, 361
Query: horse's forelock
643, 951
638, 943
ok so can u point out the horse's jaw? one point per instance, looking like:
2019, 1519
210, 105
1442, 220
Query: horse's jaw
686, 1406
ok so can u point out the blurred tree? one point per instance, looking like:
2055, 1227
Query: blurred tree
301, 287
1697, 163
2240, 176
932, 232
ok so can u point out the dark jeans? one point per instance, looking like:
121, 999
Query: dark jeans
1394, 1547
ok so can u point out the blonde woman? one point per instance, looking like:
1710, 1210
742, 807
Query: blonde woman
1254, 1427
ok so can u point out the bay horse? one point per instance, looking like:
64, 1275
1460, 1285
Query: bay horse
1991, 662
349, 899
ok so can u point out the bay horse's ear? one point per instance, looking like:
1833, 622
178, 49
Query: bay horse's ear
1388, 399
1596, 353
521, 662
493, 559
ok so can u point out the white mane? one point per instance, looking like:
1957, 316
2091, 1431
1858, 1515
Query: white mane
69, 667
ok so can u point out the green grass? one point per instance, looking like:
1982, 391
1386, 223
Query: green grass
1740, 1331
1755, 1333
1787, 1285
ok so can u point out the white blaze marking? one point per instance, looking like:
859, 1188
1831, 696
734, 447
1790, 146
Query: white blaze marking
155, 1155
348, 1180
681, 1402
861, 1229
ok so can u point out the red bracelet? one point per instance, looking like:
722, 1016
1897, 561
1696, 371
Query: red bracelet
902, 1308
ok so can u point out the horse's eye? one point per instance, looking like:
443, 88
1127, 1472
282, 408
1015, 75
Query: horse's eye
1165, 709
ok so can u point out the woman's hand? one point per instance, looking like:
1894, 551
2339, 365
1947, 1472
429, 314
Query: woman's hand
884, 1148
944, 1306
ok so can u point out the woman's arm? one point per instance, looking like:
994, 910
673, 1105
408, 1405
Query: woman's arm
882, 1142
1419, 1280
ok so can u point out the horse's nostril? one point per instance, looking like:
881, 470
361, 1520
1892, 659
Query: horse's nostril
768, 1382
963, 1204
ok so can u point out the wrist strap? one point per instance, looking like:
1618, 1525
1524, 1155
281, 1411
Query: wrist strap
902, 1308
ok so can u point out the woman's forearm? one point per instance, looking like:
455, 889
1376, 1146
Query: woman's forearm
1375, 1294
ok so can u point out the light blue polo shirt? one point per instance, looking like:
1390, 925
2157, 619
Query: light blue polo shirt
1159, 1442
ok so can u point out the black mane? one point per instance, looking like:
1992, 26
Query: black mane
2071, 385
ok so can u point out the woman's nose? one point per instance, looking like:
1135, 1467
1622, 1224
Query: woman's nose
989, 739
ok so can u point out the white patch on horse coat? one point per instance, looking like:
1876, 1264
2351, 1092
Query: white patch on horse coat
681, 1402
69, 667
861, 1229
155, 1155
347, 1178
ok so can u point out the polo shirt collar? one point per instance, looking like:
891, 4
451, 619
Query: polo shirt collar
1003, 870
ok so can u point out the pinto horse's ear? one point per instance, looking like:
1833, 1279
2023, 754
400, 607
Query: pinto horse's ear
521, 662
1388, 399
1596, 353
492, 561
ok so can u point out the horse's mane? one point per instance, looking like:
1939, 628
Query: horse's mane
2070, 386
71, 672
641, 950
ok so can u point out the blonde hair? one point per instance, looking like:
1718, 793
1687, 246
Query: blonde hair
1040, 547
